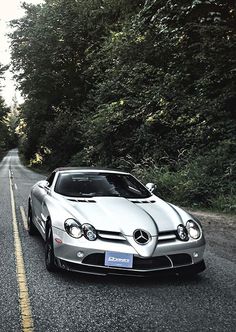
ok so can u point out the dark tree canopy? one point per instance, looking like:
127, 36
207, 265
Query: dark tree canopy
144, 85
4, 110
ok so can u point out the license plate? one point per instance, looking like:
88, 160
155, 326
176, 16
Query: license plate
118, 259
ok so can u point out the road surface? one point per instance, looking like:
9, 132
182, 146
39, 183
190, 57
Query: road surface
32, 299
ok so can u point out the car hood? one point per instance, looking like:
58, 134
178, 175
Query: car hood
121, 215
117, 214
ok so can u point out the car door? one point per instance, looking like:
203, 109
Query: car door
42, 190
39, 193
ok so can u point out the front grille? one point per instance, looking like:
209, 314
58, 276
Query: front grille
94, 259
116, 236
180, 259
151, 263
111, 236
138, 263
167, 236
159, 262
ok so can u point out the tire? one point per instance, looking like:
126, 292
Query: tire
49, 252
32, 229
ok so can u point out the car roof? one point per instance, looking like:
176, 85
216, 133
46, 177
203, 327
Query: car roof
88, 169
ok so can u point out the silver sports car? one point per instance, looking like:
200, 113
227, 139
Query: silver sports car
106, 222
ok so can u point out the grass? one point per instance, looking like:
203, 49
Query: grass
191, 186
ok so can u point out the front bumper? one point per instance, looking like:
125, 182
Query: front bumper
172, 257
103, 271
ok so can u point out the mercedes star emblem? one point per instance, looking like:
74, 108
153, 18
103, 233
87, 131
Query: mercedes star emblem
141, 236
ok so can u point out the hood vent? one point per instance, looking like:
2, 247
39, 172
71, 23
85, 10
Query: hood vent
142, 202
82, 200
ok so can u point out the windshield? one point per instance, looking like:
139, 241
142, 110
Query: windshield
100, 184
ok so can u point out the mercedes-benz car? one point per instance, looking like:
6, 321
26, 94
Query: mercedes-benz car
103, 222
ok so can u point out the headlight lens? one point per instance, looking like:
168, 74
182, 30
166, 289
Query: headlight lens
194, 230
182, 233
89, 232
73, 228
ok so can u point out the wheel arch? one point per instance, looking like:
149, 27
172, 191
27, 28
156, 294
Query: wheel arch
29, 203
48, 224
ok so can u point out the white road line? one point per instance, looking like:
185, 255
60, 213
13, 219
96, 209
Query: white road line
16, 186
24, 302
24, 218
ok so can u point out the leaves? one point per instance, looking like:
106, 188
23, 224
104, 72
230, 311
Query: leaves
109, 81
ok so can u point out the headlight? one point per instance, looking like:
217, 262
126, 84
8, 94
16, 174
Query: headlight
73, 228
194, 229
89, 232
182, 233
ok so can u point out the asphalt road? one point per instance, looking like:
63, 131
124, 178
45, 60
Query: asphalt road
72, 302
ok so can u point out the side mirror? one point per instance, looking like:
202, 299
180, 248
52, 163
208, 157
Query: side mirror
43, 184
151, 187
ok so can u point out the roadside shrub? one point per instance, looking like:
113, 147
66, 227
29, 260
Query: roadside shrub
225, 203
205, 181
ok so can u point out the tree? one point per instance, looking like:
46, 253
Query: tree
4, 134
124, 82
50, 48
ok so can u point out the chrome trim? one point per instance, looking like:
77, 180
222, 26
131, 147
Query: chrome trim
166, 237
107, 236
171, 262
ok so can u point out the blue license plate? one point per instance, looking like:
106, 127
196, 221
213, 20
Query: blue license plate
118, 259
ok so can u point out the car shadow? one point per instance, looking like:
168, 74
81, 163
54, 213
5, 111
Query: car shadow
131, 281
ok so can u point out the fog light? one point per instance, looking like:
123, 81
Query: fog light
195, 254
80, 254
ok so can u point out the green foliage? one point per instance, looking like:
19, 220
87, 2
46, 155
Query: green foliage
225, 203
110, 82
5, 136
208, 180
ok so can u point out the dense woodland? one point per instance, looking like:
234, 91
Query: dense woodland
6, 140
145, 86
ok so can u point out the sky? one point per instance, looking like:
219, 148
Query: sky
9, 10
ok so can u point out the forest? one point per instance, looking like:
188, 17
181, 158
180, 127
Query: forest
147, 86
7, 137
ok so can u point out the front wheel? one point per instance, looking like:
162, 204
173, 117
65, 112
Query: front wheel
49, 252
